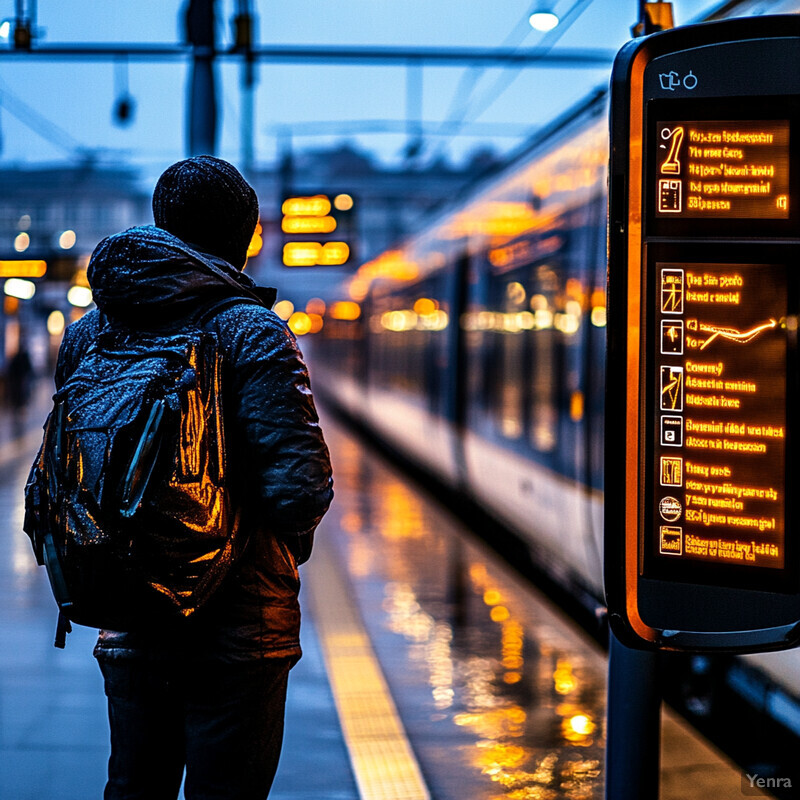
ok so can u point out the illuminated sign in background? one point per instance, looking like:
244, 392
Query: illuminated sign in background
719, 417
318, 230
723, 169
22, 269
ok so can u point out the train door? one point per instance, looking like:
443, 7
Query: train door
438, 316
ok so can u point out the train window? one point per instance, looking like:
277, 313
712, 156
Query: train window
544, 369
531, 334
595, 377
512, 346
516, 340
408, 355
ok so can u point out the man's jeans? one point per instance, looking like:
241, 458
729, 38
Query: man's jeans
222, 722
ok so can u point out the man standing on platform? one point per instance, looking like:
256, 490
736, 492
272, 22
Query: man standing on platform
207, 694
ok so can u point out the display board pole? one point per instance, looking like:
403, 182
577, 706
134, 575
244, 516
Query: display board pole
633, 739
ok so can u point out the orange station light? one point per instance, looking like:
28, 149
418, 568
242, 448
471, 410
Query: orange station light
310, 217
301, 254
334, 253
346, 310
18, 268
325, 224
343, 202
316, 305
300, 323
317, 206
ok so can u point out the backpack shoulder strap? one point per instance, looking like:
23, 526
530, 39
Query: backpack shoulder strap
208, 311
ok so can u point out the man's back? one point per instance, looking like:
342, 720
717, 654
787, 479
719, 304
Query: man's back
207, 694
276, 452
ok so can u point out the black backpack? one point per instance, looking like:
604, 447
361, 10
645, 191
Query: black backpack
128, 504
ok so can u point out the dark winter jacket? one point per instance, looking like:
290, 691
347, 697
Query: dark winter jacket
147, 278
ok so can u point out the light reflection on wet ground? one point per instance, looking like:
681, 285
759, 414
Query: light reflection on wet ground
507, 701
500, 697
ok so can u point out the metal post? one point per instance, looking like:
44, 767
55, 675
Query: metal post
248, 114
413, 109
633, 742
244, 28
202, 117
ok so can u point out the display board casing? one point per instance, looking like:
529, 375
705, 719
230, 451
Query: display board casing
704, 251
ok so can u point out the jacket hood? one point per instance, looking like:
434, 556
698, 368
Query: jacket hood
147, 273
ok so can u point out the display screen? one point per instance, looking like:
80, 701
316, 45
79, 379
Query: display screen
723, 169
718, 421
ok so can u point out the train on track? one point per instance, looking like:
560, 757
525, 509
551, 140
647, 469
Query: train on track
477, 350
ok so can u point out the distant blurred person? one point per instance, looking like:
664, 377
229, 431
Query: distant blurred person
207, 694
19, 381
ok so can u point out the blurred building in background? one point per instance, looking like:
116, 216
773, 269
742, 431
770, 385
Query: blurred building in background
387, 202
51, 219
38, 206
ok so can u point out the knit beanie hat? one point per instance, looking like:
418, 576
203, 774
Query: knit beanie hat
206, 202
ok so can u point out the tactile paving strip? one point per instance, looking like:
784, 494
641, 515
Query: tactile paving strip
383, 762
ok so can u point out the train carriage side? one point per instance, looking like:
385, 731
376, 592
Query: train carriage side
480, 352
533, 329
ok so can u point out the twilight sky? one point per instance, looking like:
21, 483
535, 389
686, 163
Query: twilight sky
71, 102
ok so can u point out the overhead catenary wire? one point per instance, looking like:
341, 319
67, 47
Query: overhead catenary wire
392, 126
39, 124
469, 79
533, 57
471, 75
467, 110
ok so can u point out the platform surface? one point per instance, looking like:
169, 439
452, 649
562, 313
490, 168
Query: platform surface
430, 669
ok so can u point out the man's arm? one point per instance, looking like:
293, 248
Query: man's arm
278, 441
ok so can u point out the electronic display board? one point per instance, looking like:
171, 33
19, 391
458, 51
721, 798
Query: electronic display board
725, 164
703, 368
717, 421
722, 168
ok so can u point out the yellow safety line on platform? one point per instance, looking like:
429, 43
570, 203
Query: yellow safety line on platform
383, 762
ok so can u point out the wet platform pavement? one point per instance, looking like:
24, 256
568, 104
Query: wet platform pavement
430, 669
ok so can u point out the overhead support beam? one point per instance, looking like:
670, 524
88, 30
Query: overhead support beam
428, 56
441, 56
